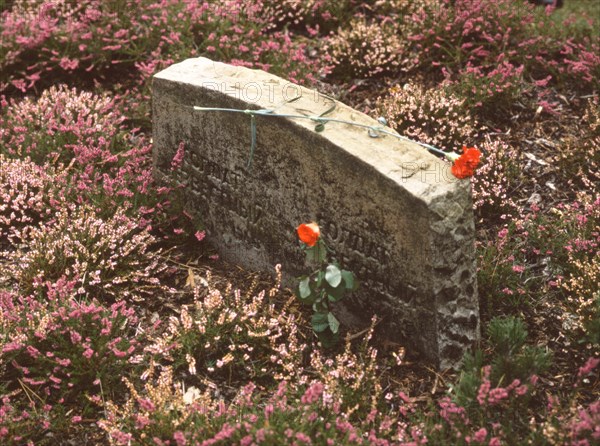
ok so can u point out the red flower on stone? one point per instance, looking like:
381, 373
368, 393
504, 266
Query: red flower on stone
464, 166
309, 233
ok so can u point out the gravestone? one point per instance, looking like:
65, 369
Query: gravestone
391, 212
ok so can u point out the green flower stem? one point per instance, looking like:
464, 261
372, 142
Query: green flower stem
321, 119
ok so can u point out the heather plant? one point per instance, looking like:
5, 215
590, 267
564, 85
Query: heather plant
520, 260
366, 49
28, 196
166, 413
352, 378
581, 273
491, 401
490, 93
83, 136
99, 34
138, 37
225, 334
483, 33
316, 15
98, 160
452, 34
575, 420
63, 125
431, 116
20, 423
107, 259
63, 349
503, 54
577, 158
495, 181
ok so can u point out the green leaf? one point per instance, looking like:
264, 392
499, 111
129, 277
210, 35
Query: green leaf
304, 288
348, 277
333, 275
335, 294
319, 127
334, 297
334, 324
320, 322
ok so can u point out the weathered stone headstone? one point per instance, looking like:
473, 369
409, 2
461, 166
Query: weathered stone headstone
392, 213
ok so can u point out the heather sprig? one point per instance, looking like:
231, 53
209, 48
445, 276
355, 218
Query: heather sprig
107, 259
29, 196
432, 116
66, 348
491, 92
225, 334
62, 126
366, 49
496, 179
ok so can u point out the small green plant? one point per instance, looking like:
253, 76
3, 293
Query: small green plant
511, 360
327, 284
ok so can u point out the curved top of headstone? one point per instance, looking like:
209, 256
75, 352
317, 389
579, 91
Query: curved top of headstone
404, 162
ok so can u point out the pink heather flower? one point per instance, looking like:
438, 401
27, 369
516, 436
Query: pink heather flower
485, 386
518, 268
313, 393
534, 379
178, 158
179, 438
480, 435
495, 442
303, 438
146, 404
55, 379
200, 235
404, 397
497, 395
141, 421
33, 352
68, 64
588, 367
75, 419
269, 409
521, 390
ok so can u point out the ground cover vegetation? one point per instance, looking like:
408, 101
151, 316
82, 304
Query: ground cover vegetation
119, 325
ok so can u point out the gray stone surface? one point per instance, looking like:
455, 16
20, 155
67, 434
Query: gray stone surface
392, 212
